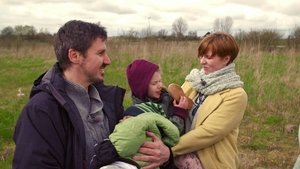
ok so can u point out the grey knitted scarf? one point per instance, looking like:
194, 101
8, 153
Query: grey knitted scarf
222, 79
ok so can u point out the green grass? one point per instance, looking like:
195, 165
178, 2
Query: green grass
271, 82
274, 120
255, 146
16, 72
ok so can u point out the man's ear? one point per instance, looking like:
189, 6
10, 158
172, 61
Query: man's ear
74, 56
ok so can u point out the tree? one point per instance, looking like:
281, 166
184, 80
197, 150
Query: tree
130, 34
269, 38
146, 32
217, 24
296, 36
265, 39
223, 24
162, 33
192, 35
44, 35
296, 32
7, 31
179, 27
25, 30
240, 35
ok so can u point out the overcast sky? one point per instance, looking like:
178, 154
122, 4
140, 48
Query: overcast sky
121, 15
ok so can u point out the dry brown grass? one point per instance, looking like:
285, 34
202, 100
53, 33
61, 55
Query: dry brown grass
271, 81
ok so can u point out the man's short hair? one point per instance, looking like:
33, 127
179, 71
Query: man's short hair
77, 35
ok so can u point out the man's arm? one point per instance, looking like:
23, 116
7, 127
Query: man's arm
37, 144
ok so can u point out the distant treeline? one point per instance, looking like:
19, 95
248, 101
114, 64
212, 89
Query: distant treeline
265, 39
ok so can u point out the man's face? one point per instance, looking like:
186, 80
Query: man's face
94, 62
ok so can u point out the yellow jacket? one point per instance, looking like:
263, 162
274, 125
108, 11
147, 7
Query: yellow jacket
214, 137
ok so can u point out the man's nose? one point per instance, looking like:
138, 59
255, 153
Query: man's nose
107, 60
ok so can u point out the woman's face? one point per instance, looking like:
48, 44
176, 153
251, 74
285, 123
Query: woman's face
212, 63
155, 86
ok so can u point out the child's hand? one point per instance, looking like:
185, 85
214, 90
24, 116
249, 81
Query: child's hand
183, 103
177, 94
124, 118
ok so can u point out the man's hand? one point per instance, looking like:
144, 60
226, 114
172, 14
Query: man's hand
154, 152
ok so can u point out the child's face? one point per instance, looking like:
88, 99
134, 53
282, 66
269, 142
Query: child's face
155, 86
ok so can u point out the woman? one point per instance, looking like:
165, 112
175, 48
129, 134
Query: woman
220, 103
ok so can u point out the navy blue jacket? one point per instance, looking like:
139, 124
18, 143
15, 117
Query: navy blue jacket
49, 133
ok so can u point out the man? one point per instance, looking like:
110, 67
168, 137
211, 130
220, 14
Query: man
70, 110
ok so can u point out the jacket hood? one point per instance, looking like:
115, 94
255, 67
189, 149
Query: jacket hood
48, 77
53, 83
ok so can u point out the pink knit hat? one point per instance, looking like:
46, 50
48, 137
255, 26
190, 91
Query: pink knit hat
139, 74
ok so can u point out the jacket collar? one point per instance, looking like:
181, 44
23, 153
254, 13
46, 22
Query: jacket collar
211, 103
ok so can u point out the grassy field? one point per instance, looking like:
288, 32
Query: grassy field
268, 133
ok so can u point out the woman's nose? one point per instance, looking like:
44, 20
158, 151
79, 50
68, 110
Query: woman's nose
202, 60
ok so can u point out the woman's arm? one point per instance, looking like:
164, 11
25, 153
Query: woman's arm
220, 114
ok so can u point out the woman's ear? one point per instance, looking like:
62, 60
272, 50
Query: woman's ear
226, 60
74, 56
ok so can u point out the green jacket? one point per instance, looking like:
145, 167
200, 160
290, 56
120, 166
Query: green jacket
130, 134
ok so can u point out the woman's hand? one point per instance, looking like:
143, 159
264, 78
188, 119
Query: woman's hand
154, 152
